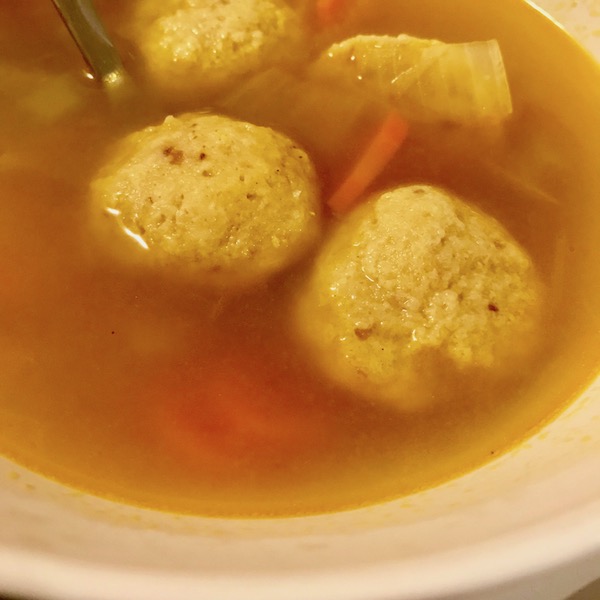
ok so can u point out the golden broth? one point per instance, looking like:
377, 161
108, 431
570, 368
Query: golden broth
101, 366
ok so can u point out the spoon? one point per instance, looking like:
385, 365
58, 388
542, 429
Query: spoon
94, 43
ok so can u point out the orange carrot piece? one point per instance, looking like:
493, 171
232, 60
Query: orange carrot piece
330, 12
220, 419
385, 143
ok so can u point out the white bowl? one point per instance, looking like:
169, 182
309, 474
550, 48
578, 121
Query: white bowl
524, 527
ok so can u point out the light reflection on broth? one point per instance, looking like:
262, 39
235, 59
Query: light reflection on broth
109, 370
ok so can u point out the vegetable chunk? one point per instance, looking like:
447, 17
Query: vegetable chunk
386, 142
331, 12
426, 80
45, 97
328, 120
232, 414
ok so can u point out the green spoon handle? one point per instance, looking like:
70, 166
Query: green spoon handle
87, 30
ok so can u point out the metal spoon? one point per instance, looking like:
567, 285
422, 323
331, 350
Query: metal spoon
96, 47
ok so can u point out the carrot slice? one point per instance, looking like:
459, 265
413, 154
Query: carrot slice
228, 417
383, 146
331, 12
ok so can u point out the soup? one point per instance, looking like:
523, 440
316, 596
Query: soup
160, 392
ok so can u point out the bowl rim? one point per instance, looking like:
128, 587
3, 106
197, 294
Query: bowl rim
554, 543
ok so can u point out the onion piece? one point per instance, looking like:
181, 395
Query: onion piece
425, 80
47, 97
464, 82
329, 121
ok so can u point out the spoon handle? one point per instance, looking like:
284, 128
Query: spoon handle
87, 30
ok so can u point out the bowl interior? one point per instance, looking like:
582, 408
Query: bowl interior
536, 507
